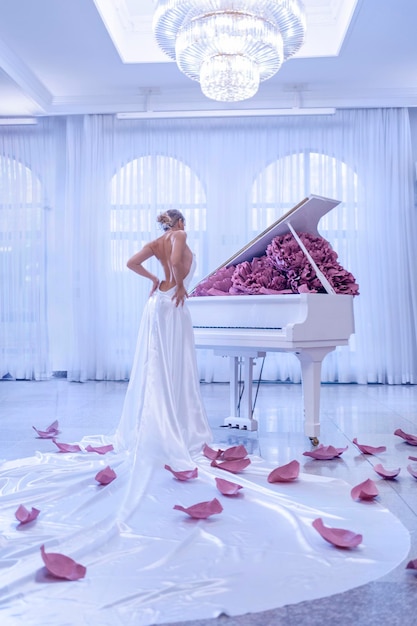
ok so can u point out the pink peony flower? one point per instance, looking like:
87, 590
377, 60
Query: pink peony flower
216, 284
258, 276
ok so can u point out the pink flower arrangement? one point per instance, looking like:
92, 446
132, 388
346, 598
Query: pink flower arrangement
283, 269
257, 277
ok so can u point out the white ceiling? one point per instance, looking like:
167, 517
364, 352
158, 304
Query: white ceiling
98, 56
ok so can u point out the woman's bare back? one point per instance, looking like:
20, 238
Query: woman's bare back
175, 256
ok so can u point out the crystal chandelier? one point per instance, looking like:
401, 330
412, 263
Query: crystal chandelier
229, 46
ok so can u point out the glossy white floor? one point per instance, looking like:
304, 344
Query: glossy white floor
371, 413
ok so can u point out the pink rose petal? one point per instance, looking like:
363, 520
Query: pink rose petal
49, 432
202, 510
369, 449
365, 491
100, 449
62, 566
325, 453
67, 447
105, 476
235, 453
412, 471
411, 439
210, 453
227, 488
412, 564
413, 458
232, 466
339, 537
23, 515
285, 473
184, 474
386, 473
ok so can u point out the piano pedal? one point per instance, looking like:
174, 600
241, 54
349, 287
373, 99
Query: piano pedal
240, 423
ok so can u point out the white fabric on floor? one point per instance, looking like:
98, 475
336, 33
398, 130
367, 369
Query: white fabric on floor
148, 563
160, 565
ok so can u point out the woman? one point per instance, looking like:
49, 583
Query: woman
163, 405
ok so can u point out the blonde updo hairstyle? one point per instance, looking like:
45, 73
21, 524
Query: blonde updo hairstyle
168, 219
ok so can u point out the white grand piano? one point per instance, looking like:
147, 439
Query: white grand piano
246, 327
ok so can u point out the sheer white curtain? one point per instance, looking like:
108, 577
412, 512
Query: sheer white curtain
89, 171
120, 176
364, 159
79, 195
27, 218
233, 178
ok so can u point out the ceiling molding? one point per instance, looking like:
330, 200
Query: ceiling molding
131, 34
327, 24
130, 28
189, 101
19, 72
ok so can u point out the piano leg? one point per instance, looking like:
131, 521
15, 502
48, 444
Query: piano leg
234, 385
311, 360
236, 420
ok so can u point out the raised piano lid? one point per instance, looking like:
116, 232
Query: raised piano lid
303, 218
300, 317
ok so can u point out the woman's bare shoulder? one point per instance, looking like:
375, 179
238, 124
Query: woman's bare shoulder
157, 243
179, 235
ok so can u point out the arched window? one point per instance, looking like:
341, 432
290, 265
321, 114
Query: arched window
145, 187
286, 181
20, 202
293, 177
22, 269
21, 224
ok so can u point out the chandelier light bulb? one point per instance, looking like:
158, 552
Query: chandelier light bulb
229, 78
229, 46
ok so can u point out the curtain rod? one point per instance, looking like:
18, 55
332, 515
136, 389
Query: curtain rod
224, 113
17, 121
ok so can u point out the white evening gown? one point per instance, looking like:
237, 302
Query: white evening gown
163, 419
150, 564
163, 411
